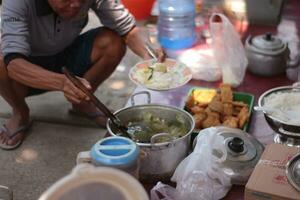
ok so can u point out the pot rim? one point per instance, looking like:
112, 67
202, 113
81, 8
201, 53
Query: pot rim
273, 90
153, 105
255, 49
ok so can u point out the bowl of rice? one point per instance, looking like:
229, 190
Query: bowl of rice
168, 75
285, 103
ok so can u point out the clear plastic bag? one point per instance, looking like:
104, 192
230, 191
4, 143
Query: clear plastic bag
198, 176
164, 192
202, 62
228, 50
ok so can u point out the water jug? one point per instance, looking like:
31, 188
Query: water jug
176, 24
117, 152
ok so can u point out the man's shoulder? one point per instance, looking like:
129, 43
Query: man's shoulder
20, 5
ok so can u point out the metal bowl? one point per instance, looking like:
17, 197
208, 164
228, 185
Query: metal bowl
279, 126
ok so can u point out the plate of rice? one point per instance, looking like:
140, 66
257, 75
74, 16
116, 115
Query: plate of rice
168, 75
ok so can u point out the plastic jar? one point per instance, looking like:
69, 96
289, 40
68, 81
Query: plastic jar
118, 152
176, 24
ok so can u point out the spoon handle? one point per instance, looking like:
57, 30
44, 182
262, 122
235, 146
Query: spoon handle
151, 51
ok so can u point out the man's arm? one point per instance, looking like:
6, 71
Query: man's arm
37, 77
116, 17
33, 75
137, 44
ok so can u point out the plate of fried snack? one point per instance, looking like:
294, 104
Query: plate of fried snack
219, 107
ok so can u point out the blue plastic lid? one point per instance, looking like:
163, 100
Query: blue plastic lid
115, 151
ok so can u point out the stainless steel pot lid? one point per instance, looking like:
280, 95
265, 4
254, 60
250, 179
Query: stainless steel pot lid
240, 147
293, 171
268, 42
243, 153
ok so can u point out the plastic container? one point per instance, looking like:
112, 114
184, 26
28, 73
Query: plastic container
118, 152
176, 24
87, 182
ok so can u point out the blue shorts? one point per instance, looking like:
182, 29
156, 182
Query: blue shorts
76, 57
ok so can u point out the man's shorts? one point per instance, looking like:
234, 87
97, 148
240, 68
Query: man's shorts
76, 57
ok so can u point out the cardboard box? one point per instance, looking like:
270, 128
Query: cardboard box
268, 180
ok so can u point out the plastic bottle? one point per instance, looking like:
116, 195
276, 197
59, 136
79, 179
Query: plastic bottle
176, 24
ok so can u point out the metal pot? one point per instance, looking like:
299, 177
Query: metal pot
279, 126
267, 55
160, 159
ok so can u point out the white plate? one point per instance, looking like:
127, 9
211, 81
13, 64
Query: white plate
178, 74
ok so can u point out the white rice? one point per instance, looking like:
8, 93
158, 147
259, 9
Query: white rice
286, 106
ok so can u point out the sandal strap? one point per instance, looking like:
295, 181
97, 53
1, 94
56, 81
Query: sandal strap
10, 135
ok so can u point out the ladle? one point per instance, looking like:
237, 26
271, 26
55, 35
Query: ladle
115, 121
270, 110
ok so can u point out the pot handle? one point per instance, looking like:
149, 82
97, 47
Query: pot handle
293, 63
288, 133
83, 157
8, 191
296, 85
159, 135
139, 93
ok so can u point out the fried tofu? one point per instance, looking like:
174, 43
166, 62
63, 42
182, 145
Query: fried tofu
197, 109
243, 116
199, 118
216, 104
213, 108
226, 93
211, 121
231, 122
227, 109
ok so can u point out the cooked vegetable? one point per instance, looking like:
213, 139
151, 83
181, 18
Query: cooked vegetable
149, 124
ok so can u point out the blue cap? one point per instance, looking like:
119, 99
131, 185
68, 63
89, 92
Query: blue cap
115, 152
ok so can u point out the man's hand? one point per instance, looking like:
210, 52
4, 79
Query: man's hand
160, 54
135, 42
74, 94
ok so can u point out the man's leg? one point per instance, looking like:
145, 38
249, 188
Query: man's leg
107, 52
14, 93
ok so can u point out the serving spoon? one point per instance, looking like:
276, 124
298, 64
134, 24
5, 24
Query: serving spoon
114, 119
271, 110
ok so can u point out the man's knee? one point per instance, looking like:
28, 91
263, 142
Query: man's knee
110, 42
3, 70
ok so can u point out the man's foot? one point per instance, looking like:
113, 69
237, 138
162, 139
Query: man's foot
91, 112
13, 132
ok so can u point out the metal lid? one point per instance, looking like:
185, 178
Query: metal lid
243, 152
267, 44
115, 151
293, 171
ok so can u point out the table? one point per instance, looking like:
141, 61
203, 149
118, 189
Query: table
253, 84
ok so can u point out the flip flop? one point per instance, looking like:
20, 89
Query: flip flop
4, 130
91, 116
